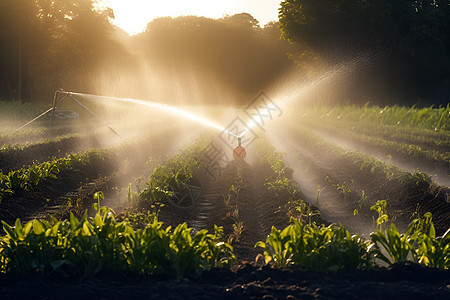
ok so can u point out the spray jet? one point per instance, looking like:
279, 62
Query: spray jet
239, 152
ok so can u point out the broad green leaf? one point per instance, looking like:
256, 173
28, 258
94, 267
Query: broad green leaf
27, 228
38, 228
9, 230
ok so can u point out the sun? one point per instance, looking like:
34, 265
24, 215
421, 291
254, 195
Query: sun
134, 15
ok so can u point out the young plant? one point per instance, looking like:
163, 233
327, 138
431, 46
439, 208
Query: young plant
418, 244
301, 211
316, 248
398, 246
169, 182
86, 247
380, 208
235, 236
432, 251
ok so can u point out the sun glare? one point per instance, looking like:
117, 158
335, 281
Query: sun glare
133, 15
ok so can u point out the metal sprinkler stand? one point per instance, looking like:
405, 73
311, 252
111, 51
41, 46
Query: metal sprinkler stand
56, 101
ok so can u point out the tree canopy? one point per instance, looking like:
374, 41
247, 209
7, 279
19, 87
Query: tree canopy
52, 43
71, 44
408, 39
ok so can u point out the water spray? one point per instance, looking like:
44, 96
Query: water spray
164, 107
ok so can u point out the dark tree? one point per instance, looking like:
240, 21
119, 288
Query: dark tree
409, 41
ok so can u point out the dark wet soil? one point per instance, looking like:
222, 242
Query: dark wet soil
316, 166
16, 157
438, 168
244, 282
101, 174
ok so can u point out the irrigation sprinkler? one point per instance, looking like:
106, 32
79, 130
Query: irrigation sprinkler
56, 101
152, 104
239, 152
50, 110
95, 115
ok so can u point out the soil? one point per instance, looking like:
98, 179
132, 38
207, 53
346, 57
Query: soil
246, 281
314, 167
438, 169
53, 195
35, 153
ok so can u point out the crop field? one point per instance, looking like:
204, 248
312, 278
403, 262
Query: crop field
332, 190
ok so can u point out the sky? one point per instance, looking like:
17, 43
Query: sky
133, 15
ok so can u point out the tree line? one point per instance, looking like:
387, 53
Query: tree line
406, 43
71, 44
403, 47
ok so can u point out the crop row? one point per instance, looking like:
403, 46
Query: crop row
27, 178
330, 248
282, 185
362, 179
85, 248
358, 161
13, 157
33, 135
411, 118
405, 152
170, 180
169, 183
94, 161
423, 138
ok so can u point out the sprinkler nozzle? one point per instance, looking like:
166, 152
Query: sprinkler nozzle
239, 152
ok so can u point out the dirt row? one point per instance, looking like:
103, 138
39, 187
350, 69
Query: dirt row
16, 158
317, 170
258, 211
245, 281
438, 169
78, 186
253, 207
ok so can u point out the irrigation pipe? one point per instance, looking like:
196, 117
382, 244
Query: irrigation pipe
97, 117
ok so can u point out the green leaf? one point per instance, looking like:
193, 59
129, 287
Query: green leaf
38, 228
9, 231
98, 221
73, 222
27, 228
